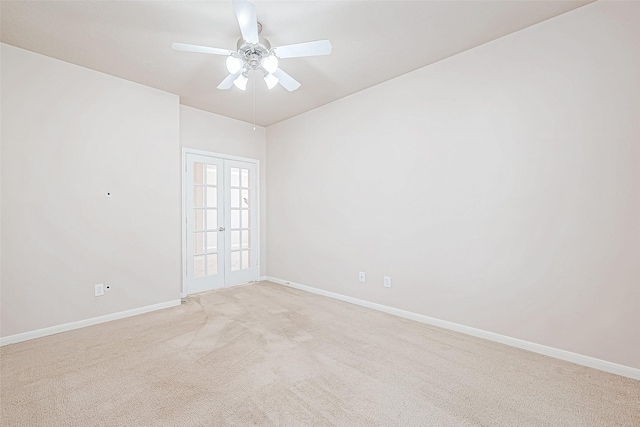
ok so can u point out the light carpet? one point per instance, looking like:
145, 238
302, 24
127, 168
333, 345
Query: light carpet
264, 354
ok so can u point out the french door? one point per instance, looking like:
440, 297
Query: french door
221, 230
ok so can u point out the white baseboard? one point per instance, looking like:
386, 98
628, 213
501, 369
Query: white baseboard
579, 359
12, 339
261, 279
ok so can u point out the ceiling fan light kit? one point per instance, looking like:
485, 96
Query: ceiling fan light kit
271, 80
234, 64
270, 63
241, 81
254, 53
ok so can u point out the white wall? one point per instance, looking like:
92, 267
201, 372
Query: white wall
210, 132
499, 188
69, 135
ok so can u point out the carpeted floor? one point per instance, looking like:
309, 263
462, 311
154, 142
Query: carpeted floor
264, 354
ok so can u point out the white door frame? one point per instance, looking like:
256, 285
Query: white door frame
256, 236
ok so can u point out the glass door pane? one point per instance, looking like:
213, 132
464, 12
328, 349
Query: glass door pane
204, 240
242, 193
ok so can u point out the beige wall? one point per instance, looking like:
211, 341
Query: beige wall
69, 135
210, 132
499, 188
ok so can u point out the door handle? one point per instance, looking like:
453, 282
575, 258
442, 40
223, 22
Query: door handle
221, 229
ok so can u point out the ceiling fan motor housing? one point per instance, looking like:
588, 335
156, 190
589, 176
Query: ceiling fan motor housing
252, 54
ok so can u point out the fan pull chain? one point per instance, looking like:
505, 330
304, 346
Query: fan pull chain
255, 83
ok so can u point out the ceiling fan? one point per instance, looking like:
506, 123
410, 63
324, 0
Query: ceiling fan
254, 53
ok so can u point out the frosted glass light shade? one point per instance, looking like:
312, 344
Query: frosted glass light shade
271, 80
241, 82
270, 63
234, 64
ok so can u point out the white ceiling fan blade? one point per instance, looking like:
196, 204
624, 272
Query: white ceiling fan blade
200, 49
228, 82
247, 19
288, 82
318, 47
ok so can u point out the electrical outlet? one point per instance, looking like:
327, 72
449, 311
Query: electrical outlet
387, 281
99, 290
361, 277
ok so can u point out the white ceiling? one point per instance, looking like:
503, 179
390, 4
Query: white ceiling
373, 41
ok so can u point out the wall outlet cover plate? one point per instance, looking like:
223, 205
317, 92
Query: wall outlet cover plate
99, 290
